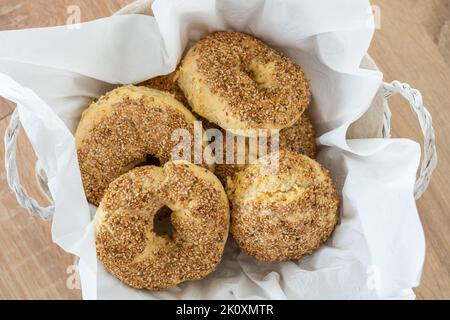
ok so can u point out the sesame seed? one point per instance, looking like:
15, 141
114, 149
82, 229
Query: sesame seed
232, 66
130, 250
132, 129
283, 216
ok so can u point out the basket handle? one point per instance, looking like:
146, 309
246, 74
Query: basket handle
414, 97
12, 174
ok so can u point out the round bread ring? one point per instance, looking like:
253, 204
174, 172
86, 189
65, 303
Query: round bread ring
300, 138
128, 247
284, 215
121, 129
241, 84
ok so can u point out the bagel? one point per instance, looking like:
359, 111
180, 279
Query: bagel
131, 250
124, 128
282, 215
300, 138
241, 84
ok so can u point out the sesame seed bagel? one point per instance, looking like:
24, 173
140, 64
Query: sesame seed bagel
300, 138
282, 215
131, 250
238, 82
122, 129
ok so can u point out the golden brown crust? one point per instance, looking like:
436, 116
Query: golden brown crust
283, 216
132, 252
239, 83
300, 139
169, 84
121, 129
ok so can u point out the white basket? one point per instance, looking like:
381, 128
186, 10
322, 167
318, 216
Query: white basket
387, 90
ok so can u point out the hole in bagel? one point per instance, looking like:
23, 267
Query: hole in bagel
259, 73
161, 223
150, 160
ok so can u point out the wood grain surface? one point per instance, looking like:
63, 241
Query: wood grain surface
406, 48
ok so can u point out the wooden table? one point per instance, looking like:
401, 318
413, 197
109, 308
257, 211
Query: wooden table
405, 48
